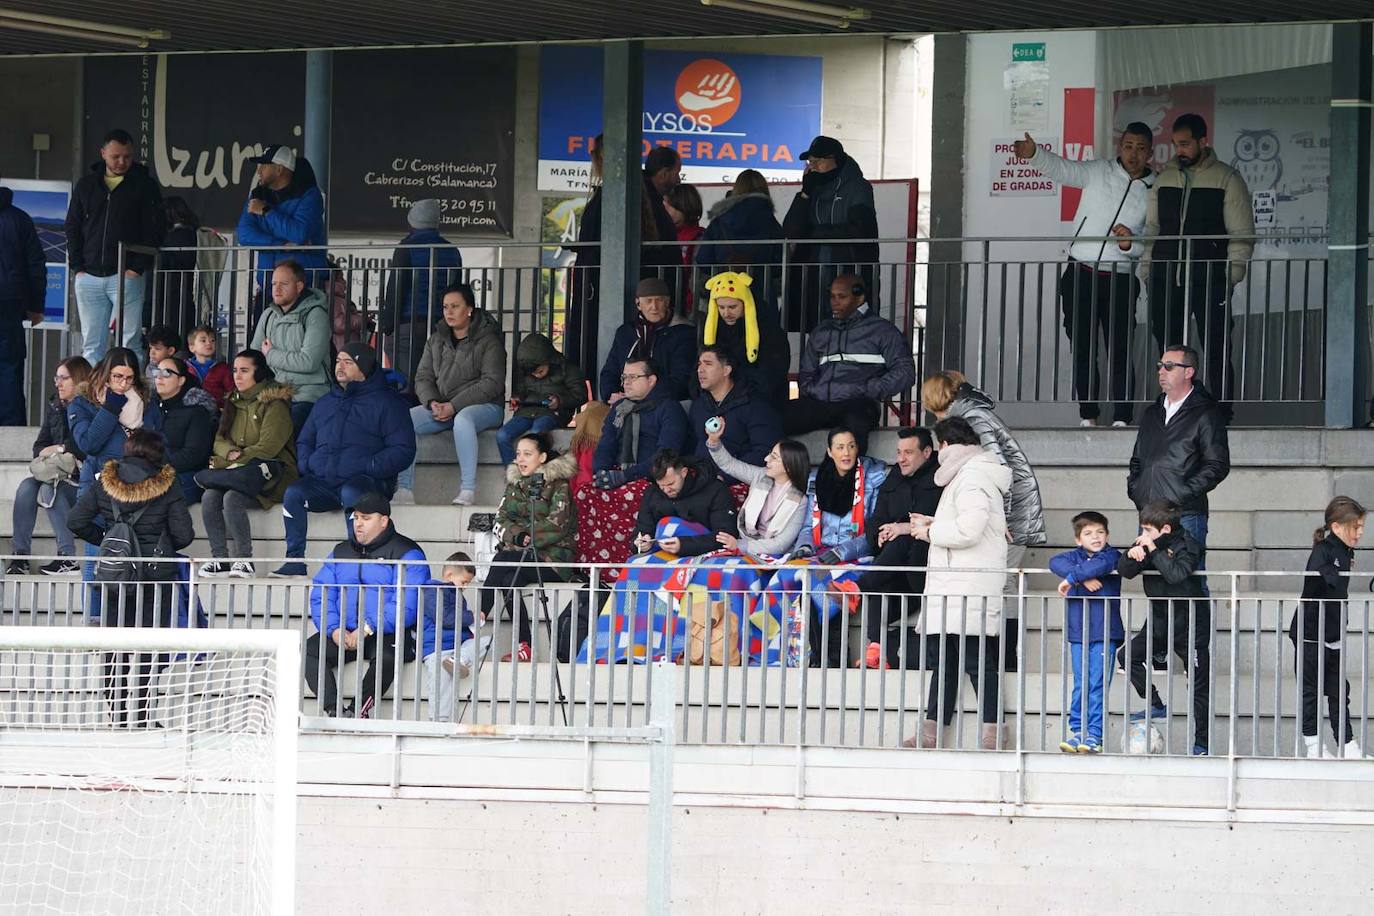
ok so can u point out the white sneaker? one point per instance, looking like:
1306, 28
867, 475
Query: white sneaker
1087, 422
241, 569
465, 498
1119, 424
403, 498
1352, 751
1312, 747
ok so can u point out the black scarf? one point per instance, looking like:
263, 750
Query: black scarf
834, 491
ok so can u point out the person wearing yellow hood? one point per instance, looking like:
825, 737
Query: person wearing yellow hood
752, 335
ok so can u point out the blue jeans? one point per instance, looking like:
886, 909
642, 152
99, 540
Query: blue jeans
1196, 525
1099, 677
515, 427
466, 425
95, 303
309, 494
26, 513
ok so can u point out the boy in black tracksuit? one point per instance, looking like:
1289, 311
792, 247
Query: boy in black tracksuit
1180, 615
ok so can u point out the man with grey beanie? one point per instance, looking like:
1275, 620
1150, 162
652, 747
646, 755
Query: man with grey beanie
423, 265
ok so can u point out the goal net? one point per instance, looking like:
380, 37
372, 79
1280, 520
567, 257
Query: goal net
147, 771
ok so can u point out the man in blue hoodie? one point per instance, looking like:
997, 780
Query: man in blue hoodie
415, 285
357, 439
285, 207
23, 287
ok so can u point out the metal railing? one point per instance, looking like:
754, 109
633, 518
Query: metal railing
1225, 668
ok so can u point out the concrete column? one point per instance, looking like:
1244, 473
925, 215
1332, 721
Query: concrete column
621, 188
319, 97
1348, 341
945, 319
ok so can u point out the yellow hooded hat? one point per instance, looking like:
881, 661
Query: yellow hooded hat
733, 286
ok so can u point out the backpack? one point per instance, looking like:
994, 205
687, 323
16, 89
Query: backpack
117, 558
573, 626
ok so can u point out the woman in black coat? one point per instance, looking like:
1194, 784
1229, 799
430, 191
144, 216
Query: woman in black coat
140, 484
176, 275
187, 418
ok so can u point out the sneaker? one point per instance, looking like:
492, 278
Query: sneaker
465, 498
1200, 751
1352, 751
63, 567
873, 657
1071, 745
289, 570
1158, 712
1090, 745
241, 569
403, 498
214, 570
1119, 424
17, 568
522, 654
1087, 422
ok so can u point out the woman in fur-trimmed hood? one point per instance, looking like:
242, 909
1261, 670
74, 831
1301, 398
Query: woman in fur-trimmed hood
141, 480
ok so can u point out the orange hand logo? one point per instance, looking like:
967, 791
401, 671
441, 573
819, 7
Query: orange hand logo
709, 90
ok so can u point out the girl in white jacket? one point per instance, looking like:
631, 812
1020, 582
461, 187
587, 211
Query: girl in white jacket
967, 573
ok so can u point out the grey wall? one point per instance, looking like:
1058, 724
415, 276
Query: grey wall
41, 96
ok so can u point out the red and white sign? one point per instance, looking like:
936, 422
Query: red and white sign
1079, 131
1157, 107
1013, 177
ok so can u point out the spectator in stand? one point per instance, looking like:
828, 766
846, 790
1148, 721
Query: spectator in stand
750, 334
772, 515
358, 438
657, 334
835, 202
963, 605
853, 362
116, 202
254, 461
662, 175
743, 235
53, 476
211, 371
584, 283
285, 208
23, 292
460, 382
949, 394
1180, 616
684, 207
293, 333
753, 423
909, 489
538, 525
586, 437
359, 606
687, 489
162, 343
1205, 201
447, 648
139, 488
414, 285
187, 419
548, 390
1181, 450
176, 270
106, 410
1098, 288
640, 423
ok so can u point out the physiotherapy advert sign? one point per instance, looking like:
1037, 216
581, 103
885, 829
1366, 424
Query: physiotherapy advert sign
723, 113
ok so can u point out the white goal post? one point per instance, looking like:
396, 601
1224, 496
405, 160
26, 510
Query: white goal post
148, 770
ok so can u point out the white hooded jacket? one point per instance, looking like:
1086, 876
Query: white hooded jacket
1110, 196
969, 534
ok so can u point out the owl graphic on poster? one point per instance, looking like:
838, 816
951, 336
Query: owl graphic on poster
1257, 159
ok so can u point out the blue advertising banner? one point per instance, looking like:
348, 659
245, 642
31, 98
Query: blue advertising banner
46, 202
722, 112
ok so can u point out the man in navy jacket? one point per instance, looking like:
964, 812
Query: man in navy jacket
357, 439
23, 287
752, 426
638, 426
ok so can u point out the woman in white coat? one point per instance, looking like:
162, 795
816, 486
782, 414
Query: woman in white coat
967, 573
772, 514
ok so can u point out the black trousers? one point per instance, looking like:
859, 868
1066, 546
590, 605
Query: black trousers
891, 594
379, 649
12, 353
128, 676
512, 579
1095, 302
1190, 640
1200, 289
807, 414
1318, 661
944, 652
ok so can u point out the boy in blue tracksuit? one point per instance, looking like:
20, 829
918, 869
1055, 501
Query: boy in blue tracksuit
446, 624
1092, 618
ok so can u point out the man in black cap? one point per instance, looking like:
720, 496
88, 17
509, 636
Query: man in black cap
360, 607
654, 334
357, 439
835, 202
285, 207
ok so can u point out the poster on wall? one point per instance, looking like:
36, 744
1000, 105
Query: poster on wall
415, 124
46, 202
722, 112
194, 125
1027, 85
1157, 108
1015, 177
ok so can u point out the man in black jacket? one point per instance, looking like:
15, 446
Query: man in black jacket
909, 487
1181, 451
23, 287
688, 489
116, 201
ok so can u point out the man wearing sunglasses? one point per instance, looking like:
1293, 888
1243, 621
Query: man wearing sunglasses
1181, 452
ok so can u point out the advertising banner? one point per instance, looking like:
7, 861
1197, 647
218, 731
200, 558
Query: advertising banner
722, 112
46, 202
1079, 127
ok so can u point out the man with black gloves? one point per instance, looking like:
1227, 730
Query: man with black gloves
909, 488
835, 202
685, 488
853, 361
116, 201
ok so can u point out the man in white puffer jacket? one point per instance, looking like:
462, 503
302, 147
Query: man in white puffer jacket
1098, 288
